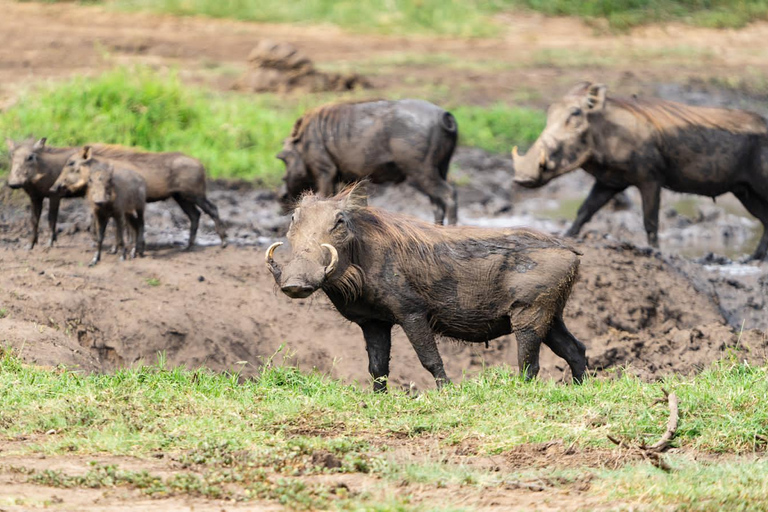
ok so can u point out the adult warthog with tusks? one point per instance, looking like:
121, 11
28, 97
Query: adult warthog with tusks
382, 269
651, 144
383, 141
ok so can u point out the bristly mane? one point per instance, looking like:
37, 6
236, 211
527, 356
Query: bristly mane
666, 116
328, 109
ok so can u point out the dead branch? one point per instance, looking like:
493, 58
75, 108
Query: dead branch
653, 453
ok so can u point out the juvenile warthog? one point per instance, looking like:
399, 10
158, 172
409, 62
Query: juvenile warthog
35, 167
167, 175
651, 144
382, 269
385, 141
116, 193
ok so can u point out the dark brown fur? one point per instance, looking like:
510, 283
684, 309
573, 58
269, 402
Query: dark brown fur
383, 141
466, 283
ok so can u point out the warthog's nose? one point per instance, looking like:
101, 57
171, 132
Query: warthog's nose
527, 183
14, 185
297, 291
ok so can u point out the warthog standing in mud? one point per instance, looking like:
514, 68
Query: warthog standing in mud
36, 167
116, 193
382, 269
651, 144
385, 141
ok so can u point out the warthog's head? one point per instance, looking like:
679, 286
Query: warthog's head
321, 236
101, 187
25, 162
296, 179
566, 142
73, 179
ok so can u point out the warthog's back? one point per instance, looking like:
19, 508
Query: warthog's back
165, 174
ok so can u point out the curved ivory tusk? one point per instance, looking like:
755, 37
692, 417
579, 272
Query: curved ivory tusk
515, 154
334, 259
270, 251
543, 160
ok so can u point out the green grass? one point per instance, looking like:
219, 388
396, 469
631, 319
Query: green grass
234, 135
470, 18
242, 439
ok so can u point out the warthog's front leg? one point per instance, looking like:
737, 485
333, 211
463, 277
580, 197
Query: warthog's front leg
422, 338
34, 220
53, 215
650, 193
378, 344
101, 220
597, 198
565, 345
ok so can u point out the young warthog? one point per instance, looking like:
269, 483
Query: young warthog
35, 167
651, 144
382, 269
385, 141
116, 193
167, 175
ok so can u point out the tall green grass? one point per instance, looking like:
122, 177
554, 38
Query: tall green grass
465, 18
234, 135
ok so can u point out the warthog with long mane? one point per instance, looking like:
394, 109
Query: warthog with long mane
651, 144
383, 141
382, 269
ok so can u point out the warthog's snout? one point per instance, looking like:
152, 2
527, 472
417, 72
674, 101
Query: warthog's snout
527, 182
297, 291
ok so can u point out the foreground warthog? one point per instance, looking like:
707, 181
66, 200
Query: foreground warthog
382, 269
651, 144
116, 193
167, 175
385, 141
35, 167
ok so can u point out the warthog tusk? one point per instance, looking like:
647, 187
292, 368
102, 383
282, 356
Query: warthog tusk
515, 154
543, 161
270, 251
334, 259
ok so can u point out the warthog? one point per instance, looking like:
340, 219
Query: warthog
651, 144
384, 141
382, 269
36, 167
117, 193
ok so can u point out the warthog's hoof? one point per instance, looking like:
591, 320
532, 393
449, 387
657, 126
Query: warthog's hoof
93, 262
224, 243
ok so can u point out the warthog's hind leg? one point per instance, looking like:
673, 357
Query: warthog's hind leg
194, 217
528, 345
565, 345
210, 209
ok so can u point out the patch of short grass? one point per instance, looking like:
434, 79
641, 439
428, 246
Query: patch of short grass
251, 438
470, 18
234, 135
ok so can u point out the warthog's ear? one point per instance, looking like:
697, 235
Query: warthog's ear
357, 196
40, 144
87, 152
11, 145
595, 99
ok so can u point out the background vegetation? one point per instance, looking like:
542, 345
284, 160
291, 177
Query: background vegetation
473, 18
234, 135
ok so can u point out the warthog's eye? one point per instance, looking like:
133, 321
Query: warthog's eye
30, 158
339, 222
575, 111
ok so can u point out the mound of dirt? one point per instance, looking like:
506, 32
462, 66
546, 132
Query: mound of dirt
281, 67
